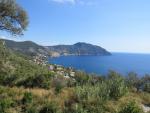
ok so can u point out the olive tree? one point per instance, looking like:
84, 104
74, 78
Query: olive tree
13, 18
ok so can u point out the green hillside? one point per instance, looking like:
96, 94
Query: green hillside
26, 87
32, 49
79, 49
27, 47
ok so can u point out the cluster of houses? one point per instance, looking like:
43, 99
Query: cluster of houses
40, 59
60, 70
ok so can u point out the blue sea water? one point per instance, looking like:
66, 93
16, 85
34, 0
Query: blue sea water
120, 62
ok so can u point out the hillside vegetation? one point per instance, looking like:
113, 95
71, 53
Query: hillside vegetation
32, 49
26, 87
27, 47
79, 49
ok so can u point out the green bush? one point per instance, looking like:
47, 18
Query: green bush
50, 107
81, 78
31, 109
27, 98
146, 87
92, 97
116, 84
5, 104
79, 109
58, 88
98, 91
131, 107
59, 83
132, 80
146, 83
41, 81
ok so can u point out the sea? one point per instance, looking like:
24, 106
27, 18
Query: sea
122, 63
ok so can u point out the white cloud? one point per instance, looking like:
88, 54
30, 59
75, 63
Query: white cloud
64, 1
3, 37
80, 2
87, 3
11, 38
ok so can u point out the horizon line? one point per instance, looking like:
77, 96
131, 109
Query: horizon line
113, 51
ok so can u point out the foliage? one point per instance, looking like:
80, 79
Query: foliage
26, 87
3, 55
147, 87
31, 109
50, 107
59, 83
12, 17
5, 104
17, 70
133, 80
81, 78
83, 93
41, 81
146, 83
27, 98
87, 92
25, 48
131, 107
92, 98
116, 84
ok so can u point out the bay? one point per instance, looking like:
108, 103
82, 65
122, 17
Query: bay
120, 62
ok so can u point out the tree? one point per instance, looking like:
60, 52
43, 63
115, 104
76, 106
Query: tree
3, 55
132, 80
116, 85
13, 18
146, 83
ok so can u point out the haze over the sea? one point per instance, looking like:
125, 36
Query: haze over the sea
117, 25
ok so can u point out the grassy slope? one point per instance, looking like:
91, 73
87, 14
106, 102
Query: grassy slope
41, 96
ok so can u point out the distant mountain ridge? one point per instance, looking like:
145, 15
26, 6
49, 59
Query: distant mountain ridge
30, 48
79, 48
26, 47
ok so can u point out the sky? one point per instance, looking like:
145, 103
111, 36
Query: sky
116, 25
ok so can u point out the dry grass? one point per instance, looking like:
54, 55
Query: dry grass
139, 98
41, 95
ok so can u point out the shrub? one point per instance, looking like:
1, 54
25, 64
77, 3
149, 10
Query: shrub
81, 78
59, 83
132, 80
79, 109
146, 87
31, 109
131, 107
58, 88
41, 81
146, 83
92, 97
98, 91
116, 85
27, 98
5, 104
50, 107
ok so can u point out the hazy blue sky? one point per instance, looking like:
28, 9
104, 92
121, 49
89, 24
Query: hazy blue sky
117, 25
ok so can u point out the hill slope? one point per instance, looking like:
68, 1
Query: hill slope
27, 47
31, 49
79, 49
